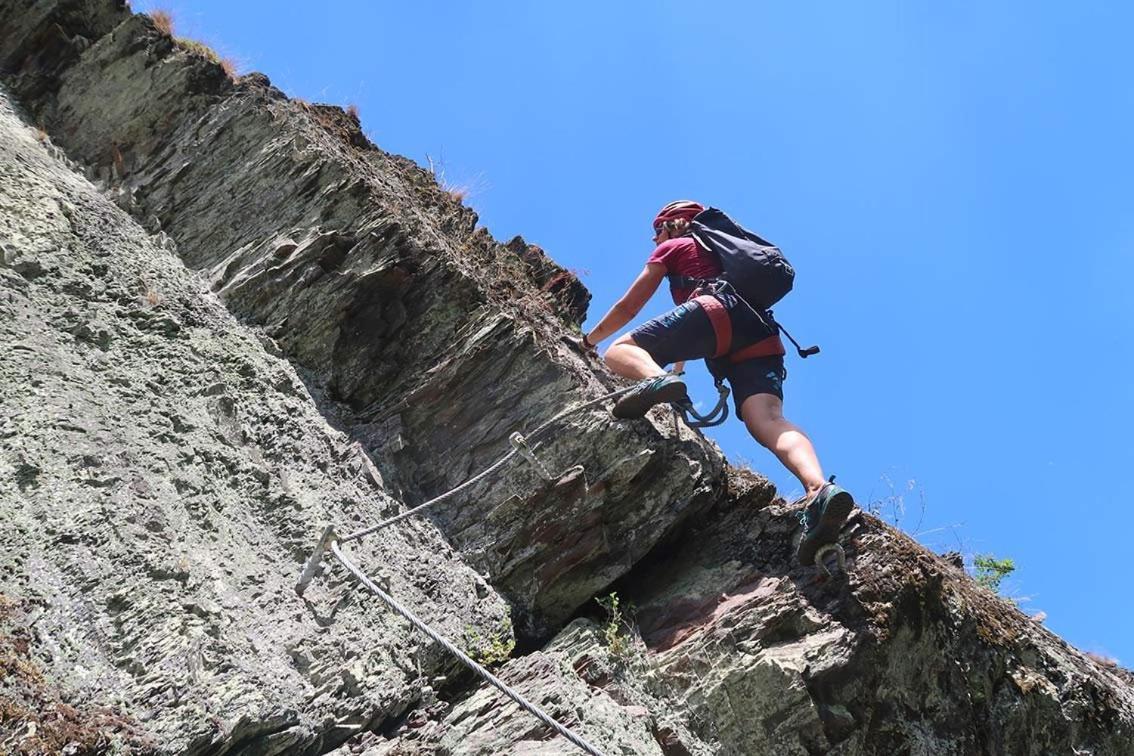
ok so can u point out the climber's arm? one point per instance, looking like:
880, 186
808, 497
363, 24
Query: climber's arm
630, 304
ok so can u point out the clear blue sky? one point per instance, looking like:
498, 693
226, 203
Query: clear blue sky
951, 181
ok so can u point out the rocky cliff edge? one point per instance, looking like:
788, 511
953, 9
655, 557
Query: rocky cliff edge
228, 318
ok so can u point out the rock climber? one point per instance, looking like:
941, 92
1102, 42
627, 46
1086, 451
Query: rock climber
709, 309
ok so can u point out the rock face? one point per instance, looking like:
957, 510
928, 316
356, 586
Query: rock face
232, 318
378, 286
160, 475
907, 655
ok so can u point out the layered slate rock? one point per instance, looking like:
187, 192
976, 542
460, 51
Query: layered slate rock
756, 656
162, 478
906, 654
165, 467
438, 341
611, 697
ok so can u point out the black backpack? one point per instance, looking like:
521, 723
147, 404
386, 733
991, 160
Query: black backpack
754, 266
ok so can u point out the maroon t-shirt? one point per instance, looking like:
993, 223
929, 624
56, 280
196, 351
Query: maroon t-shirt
685, 257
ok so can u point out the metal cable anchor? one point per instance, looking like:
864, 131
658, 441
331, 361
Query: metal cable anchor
827, 550
315, 559
520, 444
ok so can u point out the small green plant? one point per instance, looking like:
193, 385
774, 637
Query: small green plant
493, 651
614, 629
989, 571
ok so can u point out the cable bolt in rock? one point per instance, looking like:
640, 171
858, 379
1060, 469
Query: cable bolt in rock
827, 550
328, 542
491, 468
315, 559
520, 444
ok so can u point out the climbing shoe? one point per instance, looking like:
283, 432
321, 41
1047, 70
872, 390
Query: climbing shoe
822, 520
635, 403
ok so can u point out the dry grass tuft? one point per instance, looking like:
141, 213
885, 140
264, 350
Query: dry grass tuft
163, 21
228, 65
1104, 661
34, 718
457, 192
352, 111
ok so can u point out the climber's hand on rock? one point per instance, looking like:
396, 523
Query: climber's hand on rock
580, 345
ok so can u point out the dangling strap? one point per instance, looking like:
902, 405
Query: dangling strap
722, 327
805, 353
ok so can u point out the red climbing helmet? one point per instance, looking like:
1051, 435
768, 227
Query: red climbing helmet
687, 209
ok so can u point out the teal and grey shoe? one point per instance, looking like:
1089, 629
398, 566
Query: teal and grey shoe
822, 520
650, 392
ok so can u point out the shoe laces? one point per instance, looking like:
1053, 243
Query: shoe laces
803, 514
807, 508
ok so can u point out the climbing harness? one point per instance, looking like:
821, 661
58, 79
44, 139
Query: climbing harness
722, 324
330, 541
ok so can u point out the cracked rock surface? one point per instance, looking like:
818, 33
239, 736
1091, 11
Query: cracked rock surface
732, 649
162, 477
438, 341
227, 318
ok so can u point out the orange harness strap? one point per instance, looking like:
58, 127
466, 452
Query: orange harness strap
718, 317
768, 347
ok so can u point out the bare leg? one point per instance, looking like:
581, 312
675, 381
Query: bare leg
627, 359
763, 415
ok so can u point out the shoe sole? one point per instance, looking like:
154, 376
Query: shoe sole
830, 524
635, 407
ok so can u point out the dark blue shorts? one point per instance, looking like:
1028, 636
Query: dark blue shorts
686, 333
